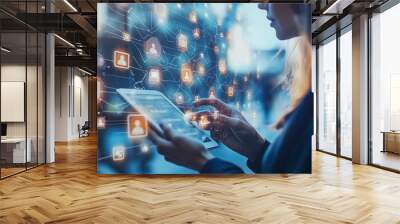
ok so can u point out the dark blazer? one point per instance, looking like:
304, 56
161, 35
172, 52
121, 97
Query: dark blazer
289, 153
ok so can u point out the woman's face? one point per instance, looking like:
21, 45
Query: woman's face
282, 20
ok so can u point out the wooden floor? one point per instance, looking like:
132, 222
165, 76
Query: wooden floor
70, 191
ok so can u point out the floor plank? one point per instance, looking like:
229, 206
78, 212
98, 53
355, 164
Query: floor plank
70, 191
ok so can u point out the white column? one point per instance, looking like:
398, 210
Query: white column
360, 90
50, 100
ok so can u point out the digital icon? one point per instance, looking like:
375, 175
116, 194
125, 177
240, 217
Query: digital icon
182, 42
254, 116
145, 148
234, 82
216, 49
101, 122
179, 98
188, 115
249, 94
200, 69
193, 17
161, 12
137, 126
186, 74
118, 153
154, 76
222, 66
203, 122
196, 98
126, 37
152, 48
121, 59
230, 91
215, 114
99, 90
196, 33
212, 93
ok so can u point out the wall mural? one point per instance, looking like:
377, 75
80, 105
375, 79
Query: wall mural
188, 88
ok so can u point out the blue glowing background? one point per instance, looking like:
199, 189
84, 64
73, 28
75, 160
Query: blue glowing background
238, 33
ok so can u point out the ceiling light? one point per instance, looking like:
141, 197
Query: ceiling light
70, 5
65, 41
84, 71
337, 7
5, 50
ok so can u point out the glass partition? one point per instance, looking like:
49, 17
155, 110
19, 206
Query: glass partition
327, 96
22, 88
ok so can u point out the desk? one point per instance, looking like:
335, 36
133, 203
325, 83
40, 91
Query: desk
13, 150
391, 141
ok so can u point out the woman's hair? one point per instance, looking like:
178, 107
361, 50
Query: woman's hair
297, 74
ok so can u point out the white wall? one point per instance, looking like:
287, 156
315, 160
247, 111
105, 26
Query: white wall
71, 94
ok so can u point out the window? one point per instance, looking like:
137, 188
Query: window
346, 94
327, 97
385, 89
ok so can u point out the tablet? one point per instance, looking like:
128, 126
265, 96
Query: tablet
157, 108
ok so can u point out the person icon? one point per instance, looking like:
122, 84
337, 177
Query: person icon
186, 77
137, 130
122, 61
153, 50
182, 42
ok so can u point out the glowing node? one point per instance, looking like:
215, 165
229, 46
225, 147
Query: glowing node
188, 115
230, 91
154, 76
118, 153
100, 60
196, 33
101, 122
196, 98
202, 55
145, 148
245, 78
179, 5
203, 122
221, 35
161, 12
200, 69
222, 66
179, 98
238, 17
152, 48
99, 90
137, 126
249, 95
186, 74
238, 105
193, 17
126, 37
121, 59
206, 15
254, 115
182, 42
